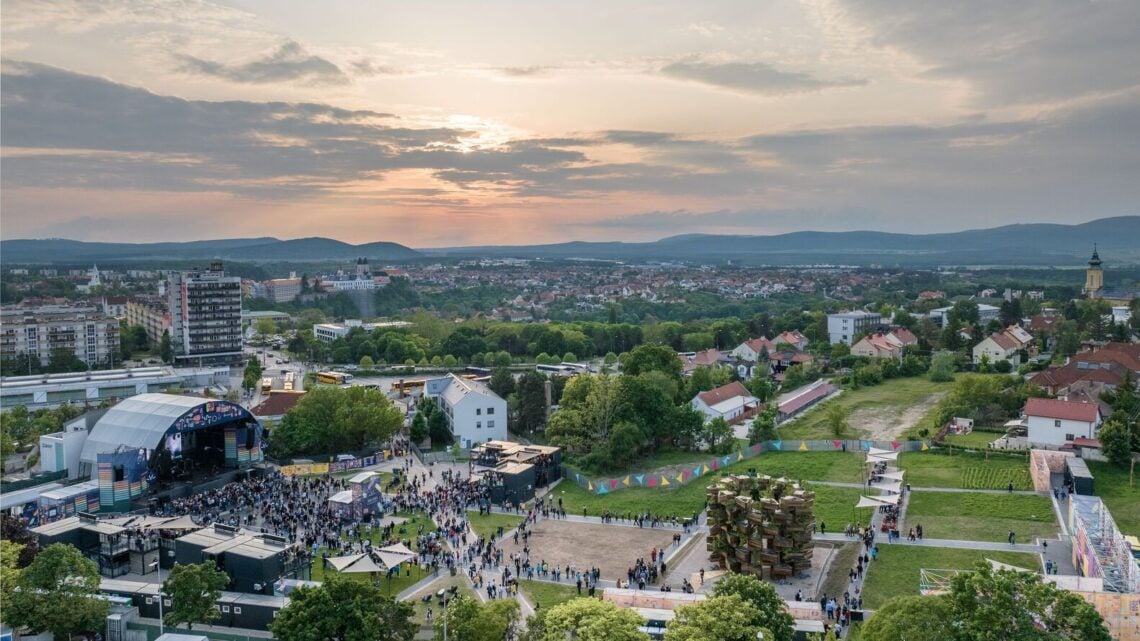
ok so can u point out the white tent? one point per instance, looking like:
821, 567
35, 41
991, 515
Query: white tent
890, 500
876, 451
894, 476
867, 501
355, 563
893, 488
881, 458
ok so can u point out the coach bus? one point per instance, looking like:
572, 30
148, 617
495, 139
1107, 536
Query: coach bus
266, 385
333, 378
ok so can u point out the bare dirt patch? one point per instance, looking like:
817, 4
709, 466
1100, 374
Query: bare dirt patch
888, 423
610, 548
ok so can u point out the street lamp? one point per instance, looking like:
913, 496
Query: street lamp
161, 594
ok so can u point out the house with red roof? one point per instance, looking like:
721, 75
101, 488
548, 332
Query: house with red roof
1053, 421
878, 345
729, 402
1005, 345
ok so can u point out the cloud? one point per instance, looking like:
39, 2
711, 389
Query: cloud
288, 62
525, 72
706, 29
368, 68
754, 77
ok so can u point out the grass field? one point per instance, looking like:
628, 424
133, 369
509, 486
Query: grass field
835, 507
1111, 485
488, 524
896, 572
974, 440
895, 395
966, 470
981, 517
421, 608
547, 595
686, 499
409, 572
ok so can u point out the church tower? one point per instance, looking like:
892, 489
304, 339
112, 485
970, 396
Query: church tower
1094, 277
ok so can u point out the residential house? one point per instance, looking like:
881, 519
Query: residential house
793, 338
753, 348
474, 412
996, 347
729, 402
705, 358
878, 345
780, 360
1059, 380
1057, 422
986, 313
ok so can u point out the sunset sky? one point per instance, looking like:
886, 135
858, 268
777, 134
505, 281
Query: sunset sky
456, 123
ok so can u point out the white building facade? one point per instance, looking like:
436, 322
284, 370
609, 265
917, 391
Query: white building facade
845, 326
475, 413
1057, 422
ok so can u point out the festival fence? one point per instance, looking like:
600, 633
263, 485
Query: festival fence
310, 469
680, 475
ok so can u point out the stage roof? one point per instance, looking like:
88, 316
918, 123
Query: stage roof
141, 422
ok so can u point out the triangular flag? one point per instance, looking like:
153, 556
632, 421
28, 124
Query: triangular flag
688, 474
664, 481
697, 471
837, 443
705, 469
602, 489
756, 448
640, 479
613, 483
866, 445
714, 466
625, 481
652, 481
925, 446
740, 456
777, 445
724, 461
589, 486
895, 445
577, 476
680, 477
803, 446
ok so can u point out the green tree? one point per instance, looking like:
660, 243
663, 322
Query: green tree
502, 382
9, 569
836, 418
718, 435
503, 359
343, 609
910, 618
194, 590
439, 429
530, 406
59, 593
942, 366
332, 418
366, 362
645, 358
720, 618
15, 530
64, 360
264, 327
251, 376
591, 620
763, 604
468, 620
1116, 442
166, 347
419, 428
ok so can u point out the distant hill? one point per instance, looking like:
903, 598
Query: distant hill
1029, 244
55, 250
1023, 244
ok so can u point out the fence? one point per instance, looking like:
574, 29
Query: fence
680, 475
307, 469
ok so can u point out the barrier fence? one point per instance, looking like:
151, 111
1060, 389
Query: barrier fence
308, 469
682, 474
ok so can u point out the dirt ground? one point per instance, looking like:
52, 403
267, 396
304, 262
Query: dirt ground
887, 423
612, 549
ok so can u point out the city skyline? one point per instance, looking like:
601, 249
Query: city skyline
445, 124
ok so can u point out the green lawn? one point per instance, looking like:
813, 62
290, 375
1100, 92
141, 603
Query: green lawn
488, 524
974, 440
409, 572
980, 517
899, 393
835, 507
968, 470
547, 595
686, 499
1111, 485
896, 572
426, 629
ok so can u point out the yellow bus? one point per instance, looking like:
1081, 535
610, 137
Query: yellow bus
408, 387
266, 385
333, 378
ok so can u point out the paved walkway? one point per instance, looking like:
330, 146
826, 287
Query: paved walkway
960, 544
872, 487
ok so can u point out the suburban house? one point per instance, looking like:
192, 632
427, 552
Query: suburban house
1003, 346
1059, 381
753, 348
475, 413
729, 402
793, 338
1057, 422
781, 360
878, 345
705, 358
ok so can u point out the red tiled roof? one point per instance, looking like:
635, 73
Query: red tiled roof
1086, 442
796, 403
723, 393
276, 404
759, 344
1066, 375
1003, 341
1042, 323
1064, 410
904, 335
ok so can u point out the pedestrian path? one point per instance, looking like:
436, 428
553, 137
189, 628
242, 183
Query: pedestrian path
861, 486
960, 544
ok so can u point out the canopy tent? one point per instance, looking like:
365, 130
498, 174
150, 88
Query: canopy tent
882, 458
893, 488
393, 555
894, 476
878, 451
156, 522
867, 501
893, 499
398, 548
355, 563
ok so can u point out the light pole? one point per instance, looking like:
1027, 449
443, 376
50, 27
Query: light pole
161, 594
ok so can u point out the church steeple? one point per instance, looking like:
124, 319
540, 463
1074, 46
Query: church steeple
1094, 276
1095, 260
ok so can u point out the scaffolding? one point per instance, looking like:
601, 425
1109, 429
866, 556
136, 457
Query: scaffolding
761, 526
1099, 548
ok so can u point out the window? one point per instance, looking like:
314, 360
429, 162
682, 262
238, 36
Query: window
1057, 423
237, 610
490, 424
225, 608
490, 411
478, 411
1068, 437
478, 424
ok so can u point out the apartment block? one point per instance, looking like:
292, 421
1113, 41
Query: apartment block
90, 335
205, 316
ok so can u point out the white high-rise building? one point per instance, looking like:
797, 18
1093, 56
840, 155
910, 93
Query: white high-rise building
205, 316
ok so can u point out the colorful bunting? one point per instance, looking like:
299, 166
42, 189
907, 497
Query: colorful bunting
640, 479
602, 489
803, 446
895, 445
756, 448
697, 471
925, 446
866, 445
680, 478
613, 483
837, 443
664, 481
688, 474
777, 445
705, 469
740, 456
589, 486
625, 481
652, 481
724, 461
714, 466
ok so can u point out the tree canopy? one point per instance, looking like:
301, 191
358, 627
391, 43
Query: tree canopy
469, 620
58, 593
343, 609
194, 590
328, 419
720, 618
764, 604
591, 620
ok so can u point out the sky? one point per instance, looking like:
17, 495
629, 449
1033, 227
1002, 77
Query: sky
440, 124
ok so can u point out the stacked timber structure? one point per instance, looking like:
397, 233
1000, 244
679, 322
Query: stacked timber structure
761, 526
